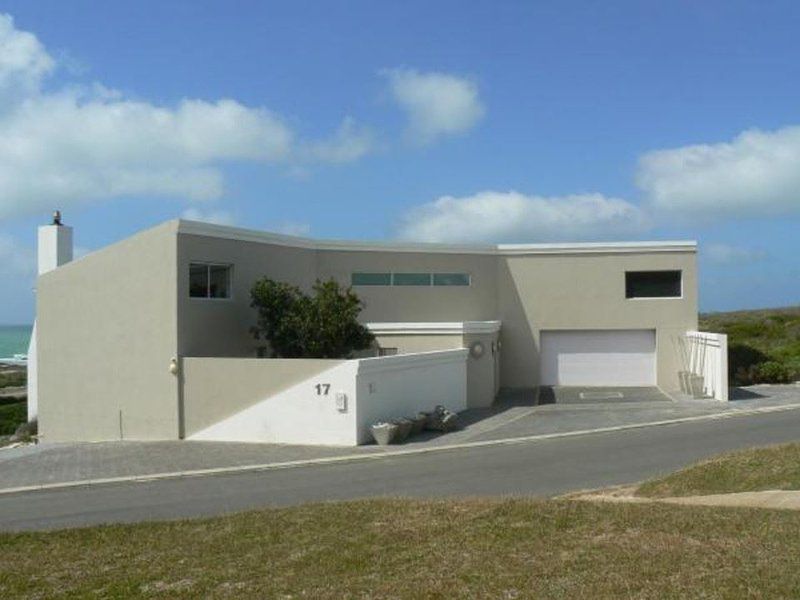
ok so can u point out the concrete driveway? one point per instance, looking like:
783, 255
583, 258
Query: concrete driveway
515, 416
600, 395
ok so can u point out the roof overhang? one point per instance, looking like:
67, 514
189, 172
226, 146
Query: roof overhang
264, 237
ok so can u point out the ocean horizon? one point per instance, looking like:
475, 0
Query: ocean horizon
14, 339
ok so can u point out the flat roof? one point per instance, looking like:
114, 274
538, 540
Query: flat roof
253, 235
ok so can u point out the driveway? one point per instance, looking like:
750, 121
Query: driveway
515, 416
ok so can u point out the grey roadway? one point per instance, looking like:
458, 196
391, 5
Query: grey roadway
540, 468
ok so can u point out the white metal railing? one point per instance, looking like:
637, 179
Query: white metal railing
704, 360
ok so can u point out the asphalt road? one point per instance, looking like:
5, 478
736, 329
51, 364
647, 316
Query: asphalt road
542, 468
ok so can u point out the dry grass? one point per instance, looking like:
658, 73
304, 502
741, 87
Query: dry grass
413, 549
756, 469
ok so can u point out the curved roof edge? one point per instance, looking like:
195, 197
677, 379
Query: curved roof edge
253, 235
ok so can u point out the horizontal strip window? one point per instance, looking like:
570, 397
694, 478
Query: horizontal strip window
423, 279
653, 284
450, 279
371, 279
411, 279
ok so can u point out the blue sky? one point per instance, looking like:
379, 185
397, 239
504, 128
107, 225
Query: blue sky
449, 121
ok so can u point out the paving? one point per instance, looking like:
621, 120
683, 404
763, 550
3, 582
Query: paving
521, 414
542, 467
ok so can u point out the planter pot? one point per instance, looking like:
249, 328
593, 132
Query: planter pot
384, 433
418, 423
442, 420
404, 427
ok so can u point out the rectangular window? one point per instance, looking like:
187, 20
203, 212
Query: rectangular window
450, 279
209, 280
387, 351
411, 279
653, 284
371, 279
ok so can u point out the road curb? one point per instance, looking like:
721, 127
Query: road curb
388, 454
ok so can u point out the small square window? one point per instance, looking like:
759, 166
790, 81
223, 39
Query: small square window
209, 281
653, 284
411, 279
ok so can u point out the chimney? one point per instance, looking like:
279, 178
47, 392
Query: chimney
54, 250
55, 244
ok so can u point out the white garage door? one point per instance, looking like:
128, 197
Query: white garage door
603, 358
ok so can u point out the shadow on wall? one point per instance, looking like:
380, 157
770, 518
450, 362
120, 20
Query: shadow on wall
519, 356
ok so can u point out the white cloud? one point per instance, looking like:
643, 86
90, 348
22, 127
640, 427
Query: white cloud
513, 217
217, 217
78, 145
758, 173
725, 254
350, 143
438, 104
68, 148
15, 259
23, 62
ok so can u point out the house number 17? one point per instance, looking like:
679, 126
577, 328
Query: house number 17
323, 389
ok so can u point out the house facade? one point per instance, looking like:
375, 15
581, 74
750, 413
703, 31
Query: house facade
114, 326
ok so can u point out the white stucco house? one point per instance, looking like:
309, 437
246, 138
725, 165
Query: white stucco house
149, 338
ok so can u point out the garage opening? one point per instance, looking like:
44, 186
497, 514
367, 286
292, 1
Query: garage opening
620, 357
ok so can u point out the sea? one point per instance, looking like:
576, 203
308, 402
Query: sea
14, 339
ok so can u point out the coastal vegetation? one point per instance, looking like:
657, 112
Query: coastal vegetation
13, 413
12, 378
763, 345
13, 399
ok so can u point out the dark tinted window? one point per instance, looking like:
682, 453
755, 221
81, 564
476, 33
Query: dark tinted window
411, 279
450, 279
371, 279
209, 281
653, 284
198, 281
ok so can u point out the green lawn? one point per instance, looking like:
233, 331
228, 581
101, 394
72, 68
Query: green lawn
764, 345
770, 468
420, 549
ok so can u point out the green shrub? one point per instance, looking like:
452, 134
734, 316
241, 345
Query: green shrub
297, 325
742, 361
772, 372
12, 416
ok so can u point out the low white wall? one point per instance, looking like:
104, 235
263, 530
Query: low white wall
405, 384
707, 357
334, 406
300, 414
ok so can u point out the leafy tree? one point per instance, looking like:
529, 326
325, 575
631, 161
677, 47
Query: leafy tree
297, 325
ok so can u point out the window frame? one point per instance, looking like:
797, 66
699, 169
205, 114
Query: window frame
208, 265
391, 280
680, 283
